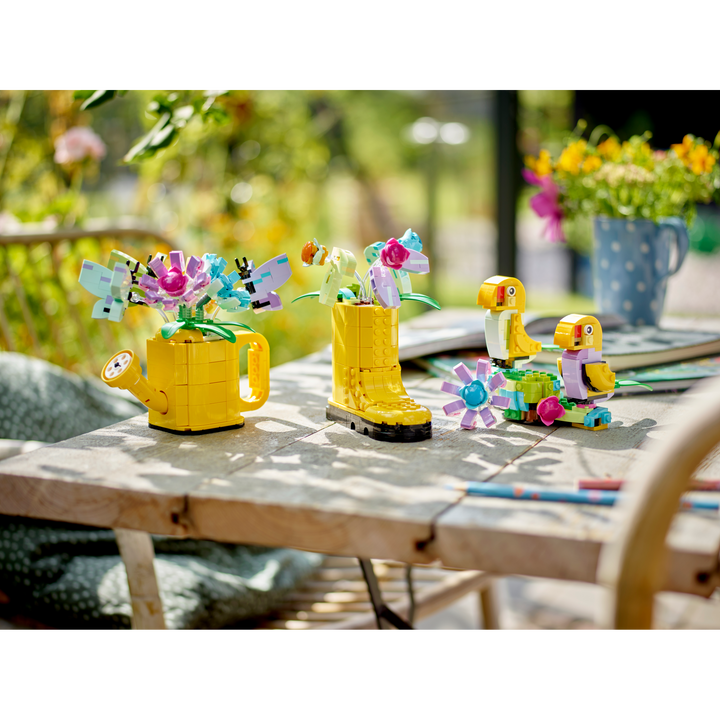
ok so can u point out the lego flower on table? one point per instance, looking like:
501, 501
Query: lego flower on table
194, 292
476, 394
386, 281
549, 410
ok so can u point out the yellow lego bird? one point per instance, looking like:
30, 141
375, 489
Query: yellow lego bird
587, 377
509, 346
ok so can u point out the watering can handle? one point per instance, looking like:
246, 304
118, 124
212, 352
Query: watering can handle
682, 240
258, 369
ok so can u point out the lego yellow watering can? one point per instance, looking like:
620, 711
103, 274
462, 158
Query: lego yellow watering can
193, 381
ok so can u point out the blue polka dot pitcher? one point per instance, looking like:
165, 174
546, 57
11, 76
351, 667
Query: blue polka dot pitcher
632, 264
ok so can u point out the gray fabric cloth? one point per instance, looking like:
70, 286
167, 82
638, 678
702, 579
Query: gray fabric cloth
72, 576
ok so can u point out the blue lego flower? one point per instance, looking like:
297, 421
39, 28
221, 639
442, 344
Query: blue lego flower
411, 240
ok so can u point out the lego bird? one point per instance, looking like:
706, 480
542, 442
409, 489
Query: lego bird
587, 377
509, 346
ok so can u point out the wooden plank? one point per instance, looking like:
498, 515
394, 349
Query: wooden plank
562, 540
136, 550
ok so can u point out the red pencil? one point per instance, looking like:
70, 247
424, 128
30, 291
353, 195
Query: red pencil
617, 483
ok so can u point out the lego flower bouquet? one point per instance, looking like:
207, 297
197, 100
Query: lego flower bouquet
192, 384
368, 394
641, 201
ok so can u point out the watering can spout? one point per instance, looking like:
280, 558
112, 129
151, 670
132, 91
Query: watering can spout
123, 371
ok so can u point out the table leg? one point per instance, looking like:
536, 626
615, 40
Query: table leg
136, 550
489, 606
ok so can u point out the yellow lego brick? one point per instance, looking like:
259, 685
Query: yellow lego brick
199, 374
182, 416
232, 371
234, 411
366, 358
217, 371
198, 353
217, 392
232, 389
216, 351
167, 363
198, 394
176, 395
232, 351
217, 413
351, 338
198, 416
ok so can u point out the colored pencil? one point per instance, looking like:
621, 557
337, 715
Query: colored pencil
581, 497
617, 484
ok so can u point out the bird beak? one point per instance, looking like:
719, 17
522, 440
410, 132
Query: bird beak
486, 296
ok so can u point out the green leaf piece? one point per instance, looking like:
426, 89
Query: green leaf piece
628, 383
307, 295
169, 329
550, 348
418, 297
221, 331
234, 324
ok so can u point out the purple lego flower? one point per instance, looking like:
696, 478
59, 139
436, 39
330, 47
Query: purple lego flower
476, 394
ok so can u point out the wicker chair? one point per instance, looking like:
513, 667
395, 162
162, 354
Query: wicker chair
633, 566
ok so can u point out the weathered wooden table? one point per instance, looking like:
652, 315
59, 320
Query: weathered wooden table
292, 478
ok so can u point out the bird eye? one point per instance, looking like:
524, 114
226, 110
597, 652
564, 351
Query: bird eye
588, 329
511, 291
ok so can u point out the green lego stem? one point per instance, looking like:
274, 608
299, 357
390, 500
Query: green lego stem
307, 295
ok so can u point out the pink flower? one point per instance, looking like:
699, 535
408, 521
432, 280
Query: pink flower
546, 205
77, 144
393, 255
174, 282
550, 409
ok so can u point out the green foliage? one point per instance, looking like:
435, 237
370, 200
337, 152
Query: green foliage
95, 98
174, 111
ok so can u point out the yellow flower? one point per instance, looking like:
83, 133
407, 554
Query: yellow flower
592, 162
540, 166
699, 160
572, 157
681, 150
610, 149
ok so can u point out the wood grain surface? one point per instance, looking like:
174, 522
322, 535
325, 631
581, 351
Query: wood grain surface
292, 478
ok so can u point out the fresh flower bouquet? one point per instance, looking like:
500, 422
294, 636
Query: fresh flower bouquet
628, 180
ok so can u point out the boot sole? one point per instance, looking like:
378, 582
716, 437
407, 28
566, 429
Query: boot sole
196, 432
379, 431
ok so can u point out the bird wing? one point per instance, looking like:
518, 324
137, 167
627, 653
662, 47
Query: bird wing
559, 364
600, 377
523, 343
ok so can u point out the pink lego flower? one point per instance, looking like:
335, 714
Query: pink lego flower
549, 409
393, 255
174, 283
546, 205
77, 144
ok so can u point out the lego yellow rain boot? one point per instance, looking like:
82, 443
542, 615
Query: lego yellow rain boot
368, 393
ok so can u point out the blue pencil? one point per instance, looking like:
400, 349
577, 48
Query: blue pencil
582, 497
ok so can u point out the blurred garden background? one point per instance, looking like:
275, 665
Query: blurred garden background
257, 173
